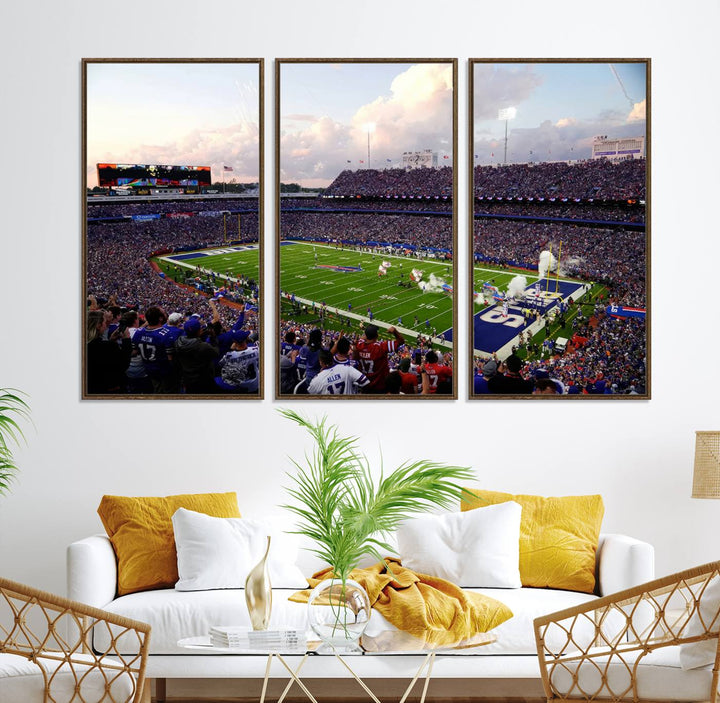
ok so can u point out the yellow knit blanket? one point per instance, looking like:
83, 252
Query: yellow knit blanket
431, 609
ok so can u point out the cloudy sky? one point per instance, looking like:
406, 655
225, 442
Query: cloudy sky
327, 111
560, 108
195, 114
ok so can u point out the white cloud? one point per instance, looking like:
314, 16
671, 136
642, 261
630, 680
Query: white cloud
565, 138
497, 87
638, 112
417, 114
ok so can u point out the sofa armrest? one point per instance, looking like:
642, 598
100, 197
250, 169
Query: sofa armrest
623, 562
92, 571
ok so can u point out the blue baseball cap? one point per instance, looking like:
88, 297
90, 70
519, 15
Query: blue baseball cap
193, 325
240, 336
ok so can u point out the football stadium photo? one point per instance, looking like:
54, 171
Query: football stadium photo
172, 258
366, 262
559, 241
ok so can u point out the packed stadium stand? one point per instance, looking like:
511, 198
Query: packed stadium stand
121, 239
596, 208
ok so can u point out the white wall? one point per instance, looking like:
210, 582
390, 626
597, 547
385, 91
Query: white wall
638, 455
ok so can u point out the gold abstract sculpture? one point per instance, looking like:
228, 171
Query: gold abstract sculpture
258, 593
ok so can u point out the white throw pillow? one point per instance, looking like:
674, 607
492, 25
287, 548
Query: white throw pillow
695, 655
475, 549
214, 552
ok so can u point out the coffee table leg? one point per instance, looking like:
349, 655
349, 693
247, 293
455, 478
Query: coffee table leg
267, 676
296, 679
428, 676
428, 661
291, 682
357, 678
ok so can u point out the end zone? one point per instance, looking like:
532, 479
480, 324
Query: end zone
496, 332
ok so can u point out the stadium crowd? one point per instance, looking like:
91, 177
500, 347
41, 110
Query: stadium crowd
614, 257
606, 357
153, 205
127, 293
597, 212
421, 232
393, 181
122, 284
156, 353
392, 365
398, 204
597, 179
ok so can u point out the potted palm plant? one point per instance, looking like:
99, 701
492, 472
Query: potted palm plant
12, 409
348, 513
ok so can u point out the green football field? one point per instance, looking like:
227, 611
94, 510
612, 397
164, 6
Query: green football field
235, 261
304, 273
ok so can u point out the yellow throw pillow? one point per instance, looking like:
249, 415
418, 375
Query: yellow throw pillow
558, 537
141, 533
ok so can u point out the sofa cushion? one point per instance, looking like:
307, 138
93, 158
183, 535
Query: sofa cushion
175, 615
558, 537
217, 552
22, 681
474, 549
706, 616
517, 635
141, 533
659, 677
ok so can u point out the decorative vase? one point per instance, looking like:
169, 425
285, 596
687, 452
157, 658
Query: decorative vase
338, 614
258, 593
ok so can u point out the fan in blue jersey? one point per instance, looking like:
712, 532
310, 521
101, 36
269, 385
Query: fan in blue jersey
341, 352
155, 344
307, 359
174, 326
288, 346
239, 368
225, 337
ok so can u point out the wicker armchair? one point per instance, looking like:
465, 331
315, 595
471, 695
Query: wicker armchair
655, 642
46, 652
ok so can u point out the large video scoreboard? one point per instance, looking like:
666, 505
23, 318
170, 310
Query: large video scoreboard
113, 175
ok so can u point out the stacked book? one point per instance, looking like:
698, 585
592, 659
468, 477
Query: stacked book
239, 637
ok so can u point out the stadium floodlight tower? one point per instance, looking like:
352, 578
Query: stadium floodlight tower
369, 128
507, 114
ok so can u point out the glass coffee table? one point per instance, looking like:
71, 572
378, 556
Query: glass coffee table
386, 643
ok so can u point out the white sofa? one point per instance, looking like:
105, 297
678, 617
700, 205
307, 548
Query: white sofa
508, 667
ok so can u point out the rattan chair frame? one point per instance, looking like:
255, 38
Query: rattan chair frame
48, 627
664, 606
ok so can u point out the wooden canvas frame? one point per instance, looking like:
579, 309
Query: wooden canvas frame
190, 63
641, 393
279, 64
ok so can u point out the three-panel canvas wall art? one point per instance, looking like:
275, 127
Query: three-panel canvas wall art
380, 229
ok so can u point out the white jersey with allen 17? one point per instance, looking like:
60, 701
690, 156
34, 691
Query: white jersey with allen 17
338, 380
